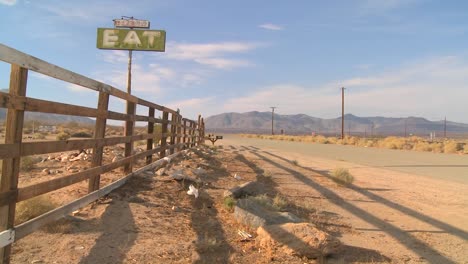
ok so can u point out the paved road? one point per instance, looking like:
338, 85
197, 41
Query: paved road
450, 167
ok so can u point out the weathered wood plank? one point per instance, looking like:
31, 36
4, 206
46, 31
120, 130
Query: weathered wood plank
99, 133
150, 130
57, 183
129, 130
13, 56
44, 147
10, 167
162, 154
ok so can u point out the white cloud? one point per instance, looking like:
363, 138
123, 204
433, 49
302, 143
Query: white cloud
8, 2
190, 108
270, 26
211, 54
431, 88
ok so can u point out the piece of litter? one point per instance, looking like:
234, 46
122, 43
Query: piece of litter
167, 159
192, 191
237, 177
244, 235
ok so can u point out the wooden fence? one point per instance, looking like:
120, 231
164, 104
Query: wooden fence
177, 134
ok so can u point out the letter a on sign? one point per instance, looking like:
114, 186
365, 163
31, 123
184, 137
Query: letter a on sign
131, 39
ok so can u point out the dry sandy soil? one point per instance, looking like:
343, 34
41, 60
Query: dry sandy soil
153, 220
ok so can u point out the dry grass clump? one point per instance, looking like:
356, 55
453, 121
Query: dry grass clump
451, 146
29, 209
229, 203
63, 136
342, 176
278, 203
422, 146
27, 163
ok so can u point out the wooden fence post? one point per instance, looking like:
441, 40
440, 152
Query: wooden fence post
202, 131
185, 133
99, 133
192, 134
173, 132
162, 154
11, 167
149, 141
179, 131
129, 125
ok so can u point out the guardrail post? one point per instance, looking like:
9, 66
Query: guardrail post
162, 154
129, 125
149, 141
173, 132
11, 167
99, 133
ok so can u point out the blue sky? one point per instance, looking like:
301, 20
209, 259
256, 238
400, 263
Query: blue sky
396, 58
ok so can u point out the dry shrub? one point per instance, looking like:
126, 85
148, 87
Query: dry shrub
82, 134
321, 139
465, 148
451, 146
437, 147
280, 203
39, 136
29, 209
229, 203
342, 176
332, 140
63, 136
393, 143
422, 146
350, 140
27, 163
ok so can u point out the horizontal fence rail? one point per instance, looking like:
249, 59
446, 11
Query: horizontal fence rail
177, 134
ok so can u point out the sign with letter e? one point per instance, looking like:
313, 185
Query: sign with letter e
131, 39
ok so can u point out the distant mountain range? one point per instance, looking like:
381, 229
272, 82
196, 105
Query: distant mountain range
260, 122
50, 119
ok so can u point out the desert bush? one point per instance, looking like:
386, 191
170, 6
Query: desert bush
422, 146
39, 136
63, 136
295, 162
465, 148
27, 163
321, 139
342, 176
279, 202
437, 147
27, 210
451, 146
229, 203
393, 143
82, 134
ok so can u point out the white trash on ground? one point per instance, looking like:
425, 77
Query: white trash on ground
192, 191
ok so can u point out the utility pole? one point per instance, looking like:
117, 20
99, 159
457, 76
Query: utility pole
445, 127
342, 112
406, 126
272, 118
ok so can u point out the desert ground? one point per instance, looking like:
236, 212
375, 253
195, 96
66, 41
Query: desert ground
385, 216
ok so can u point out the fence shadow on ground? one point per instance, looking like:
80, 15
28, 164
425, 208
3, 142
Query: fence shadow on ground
211, 243
410, 242
270, 187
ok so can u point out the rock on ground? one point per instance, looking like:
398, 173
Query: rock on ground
249, 212
301, 239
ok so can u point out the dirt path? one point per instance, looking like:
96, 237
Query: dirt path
407, 218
